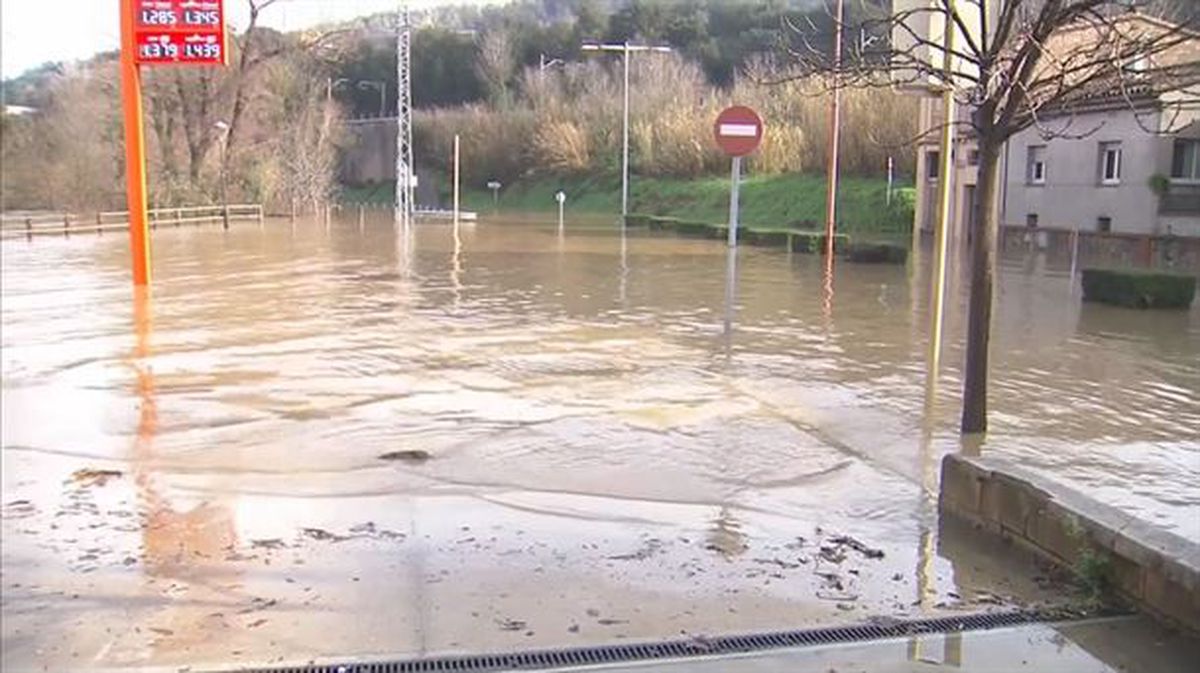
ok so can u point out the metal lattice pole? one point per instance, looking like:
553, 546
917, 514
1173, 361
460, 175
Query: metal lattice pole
404, 160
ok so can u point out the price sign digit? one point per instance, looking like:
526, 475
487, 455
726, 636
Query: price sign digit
185, 32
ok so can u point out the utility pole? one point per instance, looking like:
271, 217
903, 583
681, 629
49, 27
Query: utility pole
835, 131
625, 48
405, 181
223, 128
945, 195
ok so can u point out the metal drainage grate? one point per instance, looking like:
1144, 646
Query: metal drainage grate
694, 647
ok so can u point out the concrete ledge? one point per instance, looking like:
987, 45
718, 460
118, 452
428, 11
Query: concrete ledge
1154, 569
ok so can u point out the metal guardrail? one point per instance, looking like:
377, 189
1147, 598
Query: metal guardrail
65, 224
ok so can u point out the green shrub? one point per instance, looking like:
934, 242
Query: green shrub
876, 253
1138, 289
777, 239
634, 220
659, 223
692, 228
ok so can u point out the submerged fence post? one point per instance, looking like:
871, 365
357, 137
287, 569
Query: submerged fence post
1074, 254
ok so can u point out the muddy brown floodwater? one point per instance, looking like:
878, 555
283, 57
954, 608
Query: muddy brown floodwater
314, 441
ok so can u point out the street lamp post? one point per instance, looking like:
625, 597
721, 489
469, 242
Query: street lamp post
625, 48
331, 84
223, 129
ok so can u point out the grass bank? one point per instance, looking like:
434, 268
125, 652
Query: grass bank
767, 202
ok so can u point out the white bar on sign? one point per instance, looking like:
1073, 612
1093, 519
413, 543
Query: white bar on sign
739, 130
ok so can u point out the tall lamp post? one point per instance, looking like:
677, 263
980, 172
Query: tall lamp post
223, 129
625, 48
331, 84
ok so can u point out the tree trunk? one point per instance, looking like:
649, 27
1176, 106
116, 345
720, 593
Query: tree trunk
979, 310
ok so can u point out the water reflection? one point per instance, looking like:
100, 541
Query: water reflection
624, 273
456, 285
731, 254
578, 424
725, 535
178, 543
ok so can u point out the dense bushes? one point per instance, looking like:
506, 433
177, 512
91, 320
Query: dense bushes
1138, 289
568, 120
876, 253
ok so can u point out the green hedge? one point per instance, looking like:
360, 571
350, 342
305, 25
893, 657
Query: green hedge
636, 221
774, 239
800, 241
876, 253
814, 241
1138, 289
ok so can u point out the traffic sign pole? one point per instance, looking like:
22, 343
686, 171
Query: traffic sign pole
738, 131
735, 184
135, 147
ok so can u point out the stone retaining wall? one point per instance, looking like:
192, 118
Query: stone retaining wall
1155, 569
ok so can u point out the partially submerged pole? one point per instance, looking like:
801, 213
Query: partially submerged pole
835, 131
945, 199
456, 179
135, 148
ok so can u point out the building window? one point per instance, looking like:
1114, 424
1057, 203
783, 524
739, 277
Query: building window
1035, 165
933, 162
1104, 224
1031, 220
1110, 163
1185, 161
973, 158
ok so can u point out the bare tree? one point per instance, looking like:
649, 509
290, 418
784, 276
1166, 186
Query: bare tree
496, 64
1019, 64
194, 99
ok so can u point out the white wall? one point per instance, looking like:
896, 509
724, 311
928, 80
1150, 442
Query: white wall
1073, 195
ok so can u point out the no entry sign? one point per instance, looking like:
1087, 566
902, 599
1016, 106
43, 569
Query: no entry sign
738, 130
187, 32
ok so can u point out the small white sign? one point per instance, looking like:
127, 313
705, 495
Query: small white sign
739, 130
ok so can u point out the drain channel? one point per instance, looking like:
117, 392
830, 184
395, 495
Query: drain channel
694, 647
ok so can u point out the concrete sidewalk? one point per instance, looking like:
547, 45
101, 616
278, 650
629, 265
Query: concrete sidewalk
1112, 645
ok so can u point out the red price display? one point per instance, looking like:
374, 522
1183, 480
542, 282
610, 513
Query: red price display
189, 32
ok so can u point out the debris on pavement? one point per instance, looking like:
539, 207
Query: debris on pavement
93, 477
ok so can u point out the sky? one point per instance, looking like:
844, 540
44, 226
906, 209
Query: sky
33, 32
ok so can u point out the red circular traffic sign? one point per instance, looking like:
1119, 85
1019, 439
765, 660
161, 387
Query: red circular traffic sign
738, 130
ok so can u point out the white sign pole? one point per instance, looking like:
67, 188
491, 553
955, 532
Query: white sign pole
735, 183
561, 197
456, 180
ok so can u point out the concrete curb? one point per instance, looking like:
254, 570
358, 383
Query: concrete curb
1155, 569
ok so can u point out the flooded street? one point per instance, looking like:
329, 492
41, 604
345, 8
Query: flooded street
315, 441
